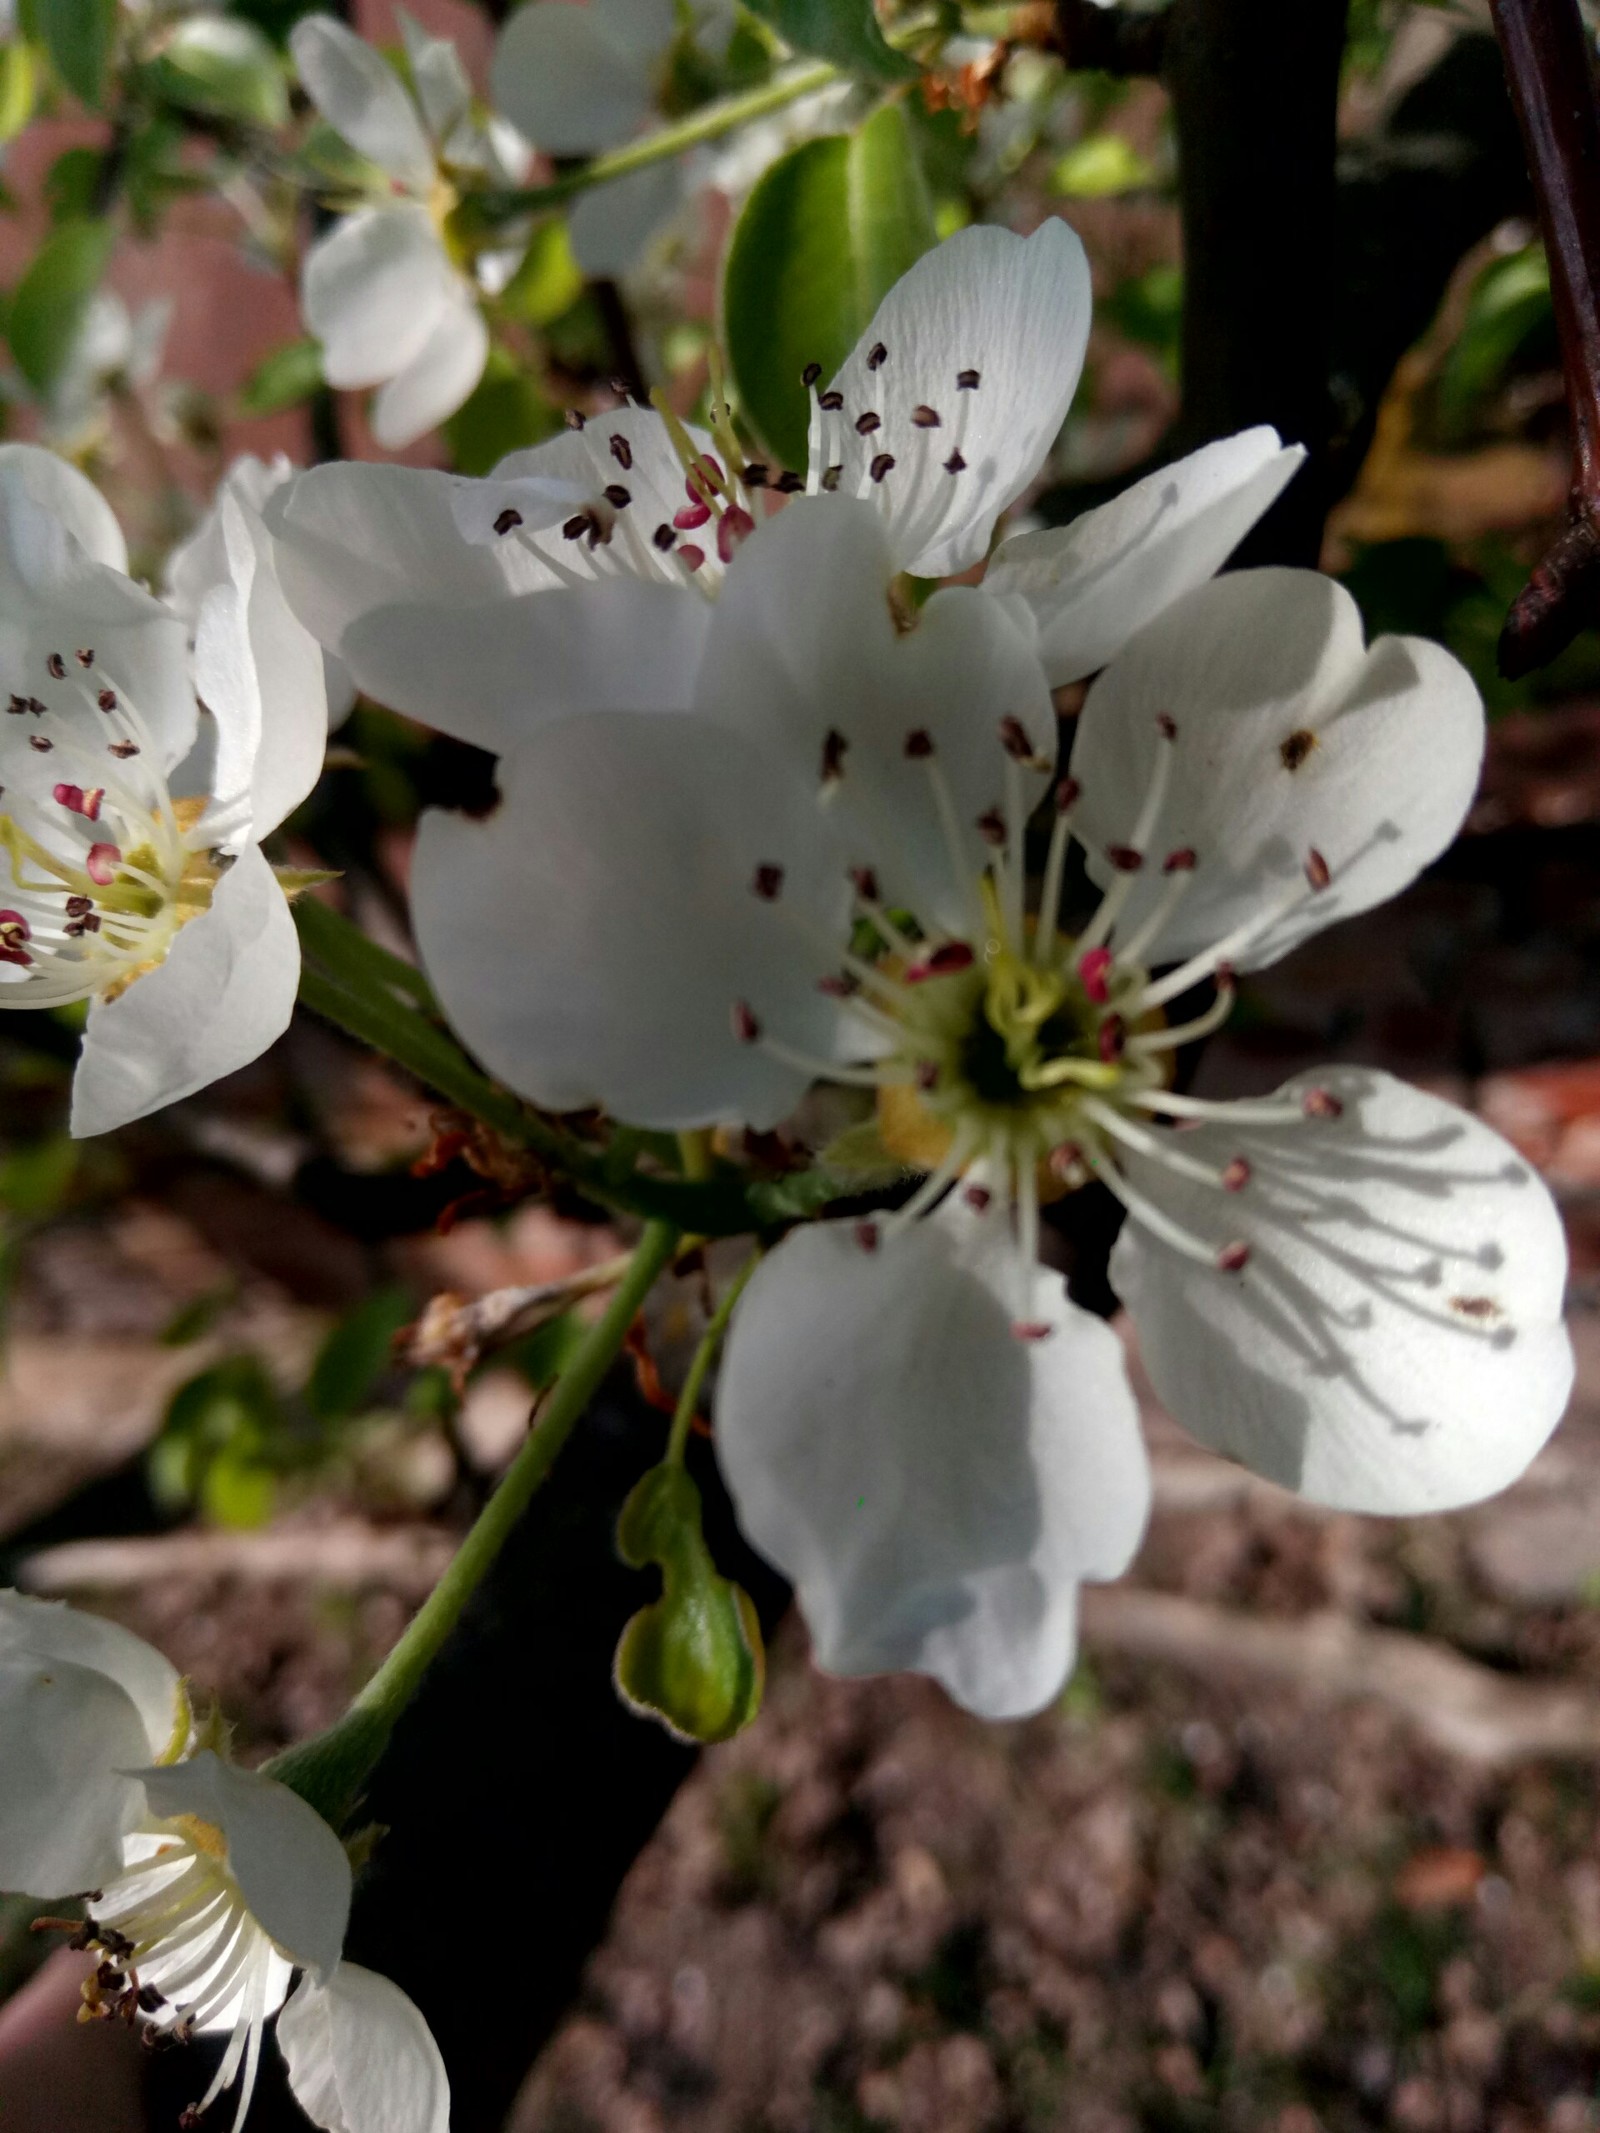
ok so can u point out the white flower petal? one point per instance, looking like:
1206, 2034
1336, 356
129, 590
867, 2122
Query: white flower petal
261, 676
803, 645
291, 1869
361, 2058
54, 600
71, 498
67, 1733
567, 81
936, 1487
48, 1629
490, 675
373, 292
225, 992
439, 377
350, 539
361, 98
1092, 585
1012, 310
590, 939
200, 560
1291, 740
443, 90
1395, 1342
610, 226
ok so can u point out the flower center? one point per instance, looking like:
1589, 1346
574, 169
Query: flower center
105, 866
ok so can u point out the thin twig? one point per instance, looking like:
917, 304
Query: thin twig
1550, 68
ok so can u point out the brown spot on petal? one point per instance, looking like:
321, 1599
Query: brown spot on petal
1293, 752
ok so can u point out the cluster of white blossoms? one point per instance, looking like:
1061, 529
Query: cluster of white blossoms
205, 1887
131, 873
764, 824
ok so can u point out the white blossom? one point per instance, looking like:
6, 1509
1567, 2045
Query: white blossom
383, 290
122, 886
578, 80
205, 1886
1350, 1285
426, 583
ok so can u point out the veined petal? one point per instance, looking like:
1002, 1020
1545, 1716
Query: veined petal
491, 675
373, 291
290, 1867
360, 96
67, 1734
351, 539
1394, 1342
361, 2058
565, 79
224, 993
1291, 740
803, 647
936, 1487
49, 1629
438, 377
1094, 584
72, 499
590, 940
1008, 314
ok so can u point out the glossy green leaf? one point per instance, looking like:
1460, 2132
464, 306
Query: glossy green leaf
51, 300
845, 31
78, 35
825, 234
226, 68
19, 81
285, 378
1100, 167
1510, 304
694, 1660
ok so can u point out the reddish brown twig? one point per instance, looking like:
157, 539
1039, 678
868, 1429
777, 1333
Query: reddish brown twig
1550, 68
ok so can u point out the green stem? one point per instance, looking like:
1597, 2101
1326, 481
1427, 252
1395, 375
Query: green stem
707, 124
331, 1770
710, 1341
334, 940
351, 987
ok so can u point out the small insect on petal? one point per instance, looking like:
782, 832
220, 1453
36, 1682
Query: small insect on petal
102, 863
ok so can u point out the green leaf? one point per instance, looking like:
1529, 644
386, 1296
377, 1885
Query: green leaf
356, 1355
19, 81
845, 31
52, 298
549, 280
505, 412
824, 236
1101, 166
78, 35
694, 1659
283, 379
226, 68
35, 1180
1510, 303
238, 1490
